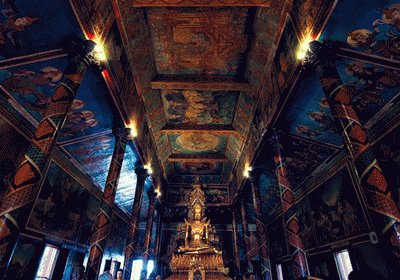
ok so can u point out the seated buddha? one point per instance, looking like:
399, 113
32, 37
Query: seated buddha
197, 234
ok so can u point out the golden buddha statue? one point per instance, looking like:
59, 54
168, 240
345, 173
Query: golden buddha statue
197, 227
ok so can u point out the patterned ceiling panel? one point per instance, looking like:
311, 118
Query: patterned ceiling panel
243, 113
197, 143
199, 106
197, 41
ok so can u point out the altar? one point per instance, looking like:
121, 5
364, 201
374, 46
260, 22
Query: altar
198, 258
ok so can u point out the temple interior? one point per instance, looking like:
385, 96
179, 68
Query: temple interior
199, 139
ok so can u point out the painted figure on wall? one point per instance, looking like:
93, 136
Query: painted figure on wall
12, 24
78, 119
338, 213
60, 206
199, 107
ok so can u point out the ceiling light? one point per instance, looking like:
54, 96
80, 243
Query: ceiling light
304, 47
133, 130
149, 169
99, 53
246, 172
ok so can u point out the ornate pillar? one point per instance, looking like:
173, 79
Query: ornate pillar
149, 226
103, 222
292, 224
141, 174
235, 244
260, 227
383, 209
15, 205
246, 237
157, 264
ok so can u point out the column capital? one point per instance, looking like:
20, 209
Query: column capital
318, 52
141, 172
80, 52
122, 134
151, 194
254, 175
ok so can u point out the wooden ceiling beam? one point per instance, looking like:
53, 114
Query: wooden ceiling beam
201, 3
211, 129
200, 83
198, 158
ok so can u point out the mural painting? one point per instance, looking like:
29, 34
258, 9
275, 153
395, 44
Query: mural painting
92, 210
307, 234
25, 260
314, 119
117, 239
195, 143
61, 205
369, 26
196, 41
94, 155
275, 231
198, 168
243, 113
336, 212
323, 266
233, 148
371, 87
94, 12
285, 59
199, 107
12, 149
302, 158
24, 26
117, 58
174, 214
214, 195
270, 195
32, 85
387, 152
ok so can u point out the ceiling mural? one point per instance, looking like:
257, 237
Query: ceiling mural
199, 107
313, 117
370, 26
196, 41
24, 26
199, 168
197, 143
371, 86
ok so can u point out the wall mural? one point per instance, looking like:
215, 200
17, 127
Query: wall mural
370, 26
199, 107
60, 208
336, 211
199, 168
306, 227
285, 58
24, 26
196, 143
314, 119
214, 195
25, 259
302, 158
305, 13
12, 149
270, 195
387, 152
276, 235
371, 86
195, 41
116, 241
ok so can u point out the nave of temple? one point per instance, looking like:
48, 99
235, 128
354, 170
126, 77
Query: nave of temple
199, 139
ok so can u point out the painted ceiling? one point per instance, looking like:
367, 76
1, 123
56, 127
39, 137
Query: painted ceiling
201, 81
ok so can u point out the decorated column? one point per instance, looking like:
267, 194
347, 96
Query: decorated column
246, 238
141, 174
260, 226
292, 224
16, 204
103, 221
147, 238
235, 244
157, 245
383, 209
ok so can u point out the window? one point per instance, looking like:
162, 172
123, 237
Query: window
343, 264
137, 268
47, 263
279, 272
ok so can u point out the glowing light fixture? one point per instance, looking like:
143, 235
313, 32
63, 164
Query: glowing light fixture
133, 130
98, 52
158, 192
246, 172
148, 167
304, 47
